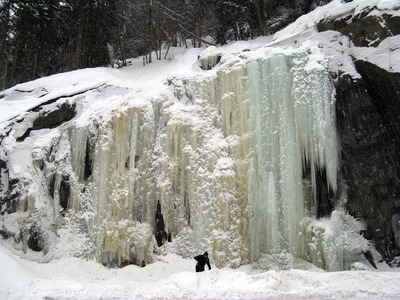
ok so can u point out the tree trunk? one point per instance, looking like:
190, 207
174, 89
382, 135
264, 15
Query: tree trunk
151, 35
166, 53
260, 12
5, 76
121, 46
14, 65
34, 65
78, 49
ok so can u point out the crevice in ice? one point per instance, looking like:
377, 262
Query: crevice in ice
65, 193
323, 197
88, 161
35, 241
160, 234
187, 207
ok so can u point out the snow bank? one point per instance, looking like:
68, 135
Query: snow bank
172, 277
333, 10
147, 81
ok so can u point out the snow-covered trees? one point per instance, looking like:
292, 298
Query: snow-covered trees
30, 40
43, 37
39, 38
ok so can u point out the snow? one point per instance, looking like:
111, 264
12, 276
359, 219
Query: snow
386, 55
138, 79
148, 81
334, 9
172, 277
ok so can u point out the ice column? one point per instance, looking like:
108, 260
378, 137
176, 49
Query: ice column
123, 220
275, 196
292, 125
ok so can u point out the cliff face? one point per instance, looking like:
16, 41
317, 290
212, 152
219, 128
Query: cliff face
368, 124
368, 129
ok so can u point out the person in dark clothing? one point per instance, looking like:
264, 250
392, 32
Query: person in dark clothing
202, 260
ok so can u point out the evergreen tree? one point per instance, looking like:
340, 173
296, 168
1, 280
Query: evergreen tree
92, 25
5, 28
233, 20
34, 42
43, 37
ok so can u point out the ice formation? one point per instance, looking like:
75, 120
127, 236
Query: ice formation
272, 117
224, 153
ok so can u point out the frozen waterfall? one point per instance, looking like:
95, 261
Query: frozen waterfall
234, 157
225, 157
273, 117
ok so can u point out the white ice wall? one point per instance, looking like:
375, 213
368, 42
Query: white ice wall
223, 152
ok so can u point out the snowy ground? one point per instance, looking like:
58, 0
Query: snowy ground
173, 277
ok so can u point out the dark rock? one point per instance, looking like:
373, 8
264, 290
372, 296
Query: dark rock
55, 118
368, 255
10, 202
207, 63
384, 89
393, 23
3, 164
363, 29
368, 133
325, 198
51, 119
35, 241
6, 233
